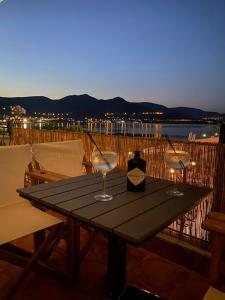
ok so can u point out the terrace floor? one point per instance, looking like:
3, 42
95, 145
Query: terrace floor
152, 268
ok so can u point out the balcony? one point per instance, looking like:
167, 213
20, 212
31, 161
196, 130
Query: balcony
174, 264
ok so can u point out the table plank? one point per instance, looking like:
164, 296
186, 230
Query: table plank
44, 186
84, 190
123, 214
152, 221
115, 179
62, 190
88, 200
96, 209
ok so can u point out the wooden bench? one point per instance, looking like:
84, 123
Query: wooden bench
215, 224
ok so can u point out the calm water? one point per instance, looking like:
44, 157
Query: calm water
175, 131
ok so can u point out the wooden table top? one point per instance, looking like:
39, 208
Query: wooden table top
133, 216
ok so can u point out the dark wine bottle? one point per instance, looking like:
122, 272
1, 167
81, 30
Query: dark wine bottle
136, 173
222, 134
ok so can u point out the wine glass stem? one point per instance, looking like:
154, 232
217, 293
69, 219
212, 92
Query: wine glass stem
104, 179
177, 179
175, 184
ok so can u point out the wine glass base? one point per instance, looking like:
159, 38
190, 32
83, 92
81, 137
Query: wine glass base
103, 197
175, 193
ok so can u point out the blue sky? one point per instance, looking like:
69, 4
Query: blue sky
170, 52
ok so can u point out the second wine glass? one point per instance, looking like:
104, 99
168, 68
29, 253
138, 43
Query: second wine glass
177, 160
104, 159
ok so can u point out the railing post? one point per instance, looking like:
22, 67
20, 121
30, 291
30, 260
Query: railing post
219, 184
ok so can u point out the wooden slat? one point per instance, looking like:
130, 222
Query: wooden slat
120, 198
123, 214
44, 186
88, 200
214, 226
149, 223
217, 216
73, 187
78, 192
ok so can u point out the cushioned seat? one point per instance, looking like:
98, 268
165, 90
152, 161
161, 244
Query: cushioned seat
21, 219
60, 157
18, 217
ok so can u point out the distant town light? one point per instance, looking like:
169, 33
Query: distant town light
204, 135
172, 171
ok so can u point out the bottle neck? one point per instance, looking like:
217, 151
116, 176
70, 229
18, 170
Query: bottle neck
137, 154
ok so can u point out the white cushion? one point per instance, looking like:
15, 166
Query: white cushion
60, 157
13, 162
214, 294
17, 216
20, 219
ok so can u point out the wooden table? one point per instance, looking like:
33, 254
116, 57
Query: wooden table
129, 218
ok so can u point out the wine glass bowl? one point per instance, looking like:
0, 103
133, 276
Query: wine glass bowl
178, 160
104, 159
104, 162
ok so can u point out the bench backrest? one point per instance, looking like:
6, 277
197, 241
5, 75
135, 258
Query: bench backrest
60, 157
13, 162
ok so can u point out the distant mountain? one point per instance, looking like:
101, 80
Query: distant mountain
80, 106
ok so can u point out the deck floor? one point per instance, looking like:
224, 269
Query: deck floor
151, 268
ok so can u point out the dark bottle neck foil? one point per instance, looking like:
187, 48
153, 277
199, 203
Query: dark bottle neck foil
222, 134
137, 154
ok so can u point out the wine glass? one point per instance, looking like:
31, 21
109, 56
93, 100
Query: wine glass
178, 160
104, 159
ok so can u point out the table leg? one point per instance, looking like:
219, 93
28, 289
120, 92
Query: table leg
116, 267
73, 250
39, 238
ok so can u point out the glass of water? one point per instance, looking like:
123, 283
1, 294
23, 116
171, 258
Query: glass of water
104, 159
177, 160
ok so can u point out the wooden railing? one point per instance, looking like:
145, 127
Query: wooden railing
204, 170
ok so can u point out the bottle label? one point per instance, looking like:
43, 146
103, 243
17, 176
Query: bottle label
136, 176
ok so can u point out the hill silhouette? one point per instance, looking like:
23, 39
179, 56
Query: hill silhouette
80, 106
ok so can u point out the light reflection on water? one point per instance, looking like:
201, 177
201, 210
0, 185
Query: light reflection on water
176, 131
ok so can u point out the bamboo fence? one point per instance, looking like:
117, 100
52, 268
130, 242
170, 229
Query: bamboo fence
206, 168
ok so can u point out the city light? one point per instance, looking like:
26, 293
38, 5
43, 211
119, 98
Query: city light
172, 171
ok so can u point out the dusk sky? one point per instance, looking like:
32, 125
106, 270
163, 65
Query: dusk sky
170, 52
